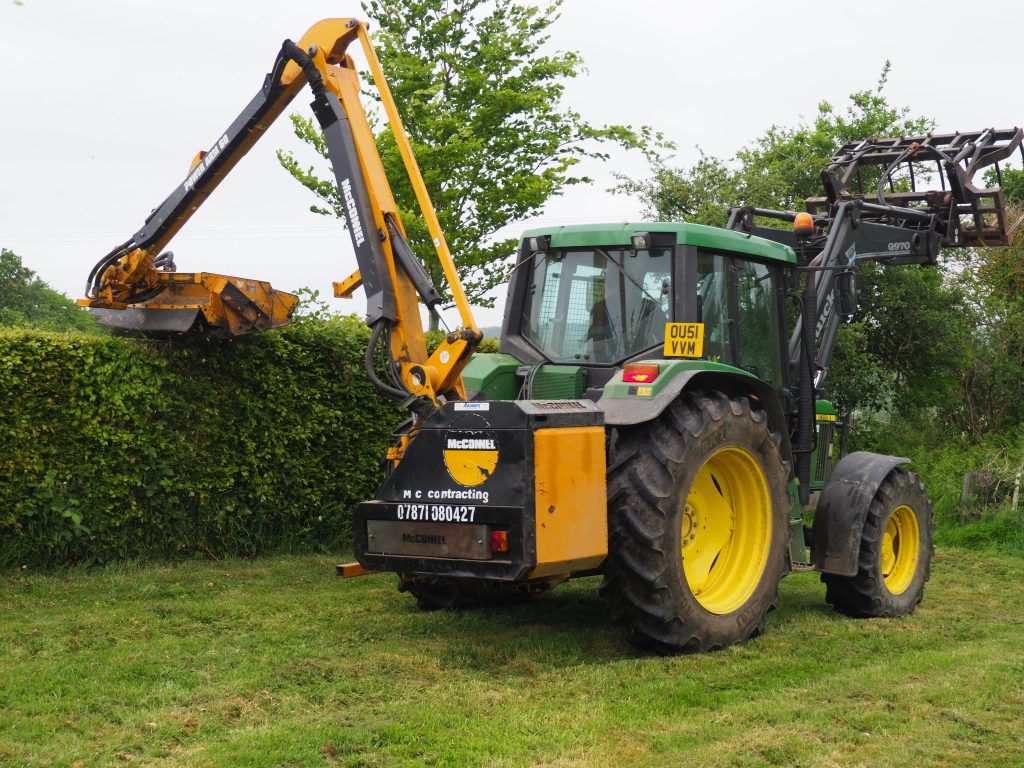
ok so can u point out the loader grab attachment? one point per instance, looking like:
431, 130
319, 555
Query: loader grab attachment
968, 215
876, 208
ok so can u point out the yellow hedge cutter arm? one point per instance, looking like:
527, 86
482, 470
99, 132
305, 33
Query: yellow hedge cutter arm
137, 288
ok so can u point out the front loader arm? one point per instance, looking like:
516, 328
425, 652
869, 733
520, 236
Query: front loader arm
139, 281
854, 223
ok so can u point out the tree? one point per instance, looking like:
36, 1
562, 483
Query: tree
481, 99
910, 336
27, 301
904, 350
1013, 184
993, 281
778, 170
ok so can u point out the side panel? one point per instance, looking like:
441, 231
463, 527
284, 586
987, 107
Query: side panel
822, 460
570, 499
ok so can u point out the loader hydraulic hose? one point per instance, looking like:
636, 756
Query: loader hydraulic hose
94, 282
805, 424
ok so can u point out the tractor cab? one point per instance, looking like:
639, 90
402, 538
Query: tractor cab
600, 296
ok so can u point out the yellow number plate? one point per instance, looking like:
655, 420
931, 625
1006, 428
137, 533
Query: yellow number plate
684, 339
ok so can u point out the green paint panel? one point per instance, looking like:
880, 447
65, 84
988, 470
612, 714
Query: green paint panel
587, 235
558, 382
824, 406
492, 374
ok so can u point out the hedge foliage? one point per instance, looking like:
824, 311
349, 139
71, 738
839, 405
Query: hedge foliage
941, 457
26, 301
114, 448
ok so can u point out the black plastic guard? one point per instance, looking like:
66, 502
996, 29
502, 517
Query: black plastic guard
843, 508
137, 321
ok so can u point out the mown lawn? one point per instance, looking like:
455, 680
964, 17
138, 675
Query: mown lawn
273, 662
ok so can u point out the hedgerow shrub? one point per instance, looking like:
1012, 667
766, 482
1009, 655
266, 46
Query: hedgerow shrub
114, 448
941, 457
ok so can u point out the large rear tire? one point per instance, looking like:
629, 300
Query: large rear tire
698, 507
895, 556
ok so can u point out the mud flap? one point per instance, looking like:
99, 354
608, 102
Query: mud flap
843, 508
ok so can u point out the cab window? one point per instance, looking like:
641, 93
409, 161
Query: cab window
739, 305
759, 329
598, 305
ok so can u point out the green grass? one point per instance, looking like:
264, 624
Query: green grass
273, 662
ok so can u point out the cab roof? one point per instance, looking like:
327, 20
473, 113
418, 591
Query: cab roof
584, 235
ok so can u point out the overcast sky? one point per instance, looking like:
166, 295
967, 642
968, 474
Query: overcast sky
105, 103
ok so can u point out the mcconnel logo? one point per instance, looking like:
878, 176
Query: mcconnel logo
470, 455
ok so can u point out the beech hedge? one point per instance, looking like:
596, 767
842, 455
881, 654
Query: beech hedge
115, 448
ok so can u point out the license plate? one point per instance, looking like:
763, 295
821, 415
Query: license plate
464, 542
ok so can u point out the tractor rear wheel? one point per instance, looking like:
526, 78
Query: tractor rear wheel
698, 510
895, 553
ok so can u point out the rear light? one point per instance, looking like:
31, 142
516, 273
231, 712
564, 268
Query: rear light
639, 374
499, 541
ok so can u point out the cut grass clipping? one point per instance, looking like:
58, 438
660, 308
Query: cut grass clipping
273, 662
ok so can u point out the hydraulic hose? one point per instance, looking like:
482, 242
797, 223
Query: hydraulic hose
806, 421
290, 50
385, 389
93, 282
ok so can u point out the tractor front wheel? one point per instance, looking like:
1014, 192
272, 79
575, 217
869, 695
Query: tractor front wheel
895, 555
698, 523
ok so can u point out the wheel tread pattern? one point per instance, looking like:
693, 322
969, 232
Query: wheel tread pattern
644, 496
865, 595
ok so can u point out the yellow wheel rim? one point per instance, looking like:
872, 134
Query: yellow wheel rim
900, 549
726, 530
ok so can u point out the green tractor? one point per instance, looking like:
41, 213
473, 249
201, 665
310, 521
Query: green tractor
657, 415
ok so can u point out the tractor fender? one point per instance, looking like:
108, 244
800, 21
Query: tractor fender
628, 411
843, 508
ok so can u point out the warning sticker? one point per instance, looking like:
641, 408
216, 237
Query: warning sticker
470, 455
472, 406
684, 340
